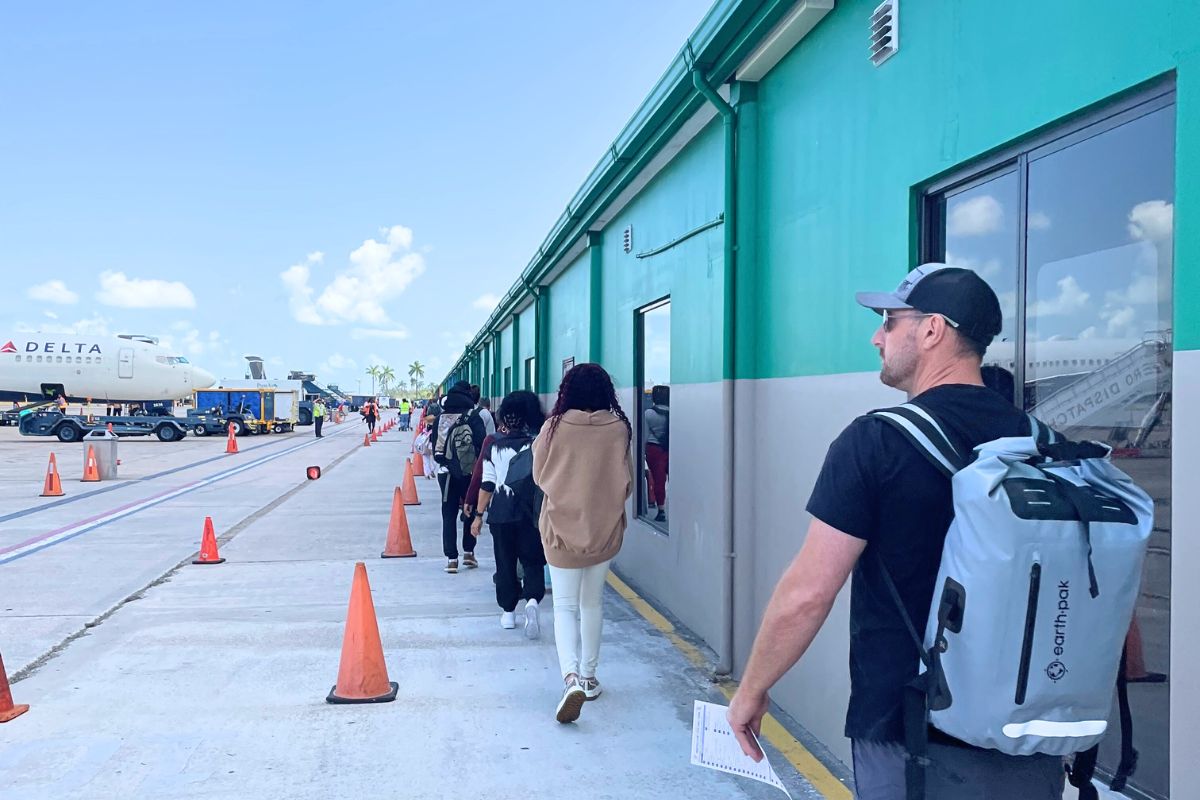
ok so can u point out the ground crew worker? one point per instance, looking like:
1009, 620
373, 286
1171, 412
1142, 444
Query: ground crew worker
405, 414
370, 414
318, 415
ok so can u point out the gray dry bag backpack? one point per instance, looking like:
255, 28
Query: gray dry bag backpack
1039, 576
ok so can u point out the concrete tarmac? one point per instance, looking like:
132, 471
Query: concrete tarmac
149, 677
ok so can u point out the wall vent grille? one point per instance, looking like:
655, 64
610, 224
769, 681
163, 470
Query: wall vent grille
885, 31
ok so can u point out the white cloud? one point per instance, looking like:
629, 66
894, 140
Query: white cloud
486, 302
193, 342
1071, 298
1039, 221
379, 333
1088, 332
379, 271
338, 362
54, 291
1120, 321
1153, 221
975, 217
118, 290
50, 314
1143, 289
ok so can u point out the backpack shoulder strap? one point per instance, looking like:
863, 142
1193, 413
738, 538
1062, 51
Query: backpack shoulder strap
1040, 431
923, 431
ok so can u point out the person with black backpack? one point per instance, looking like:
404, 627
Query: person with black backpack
457, 438
512, 503
935, 645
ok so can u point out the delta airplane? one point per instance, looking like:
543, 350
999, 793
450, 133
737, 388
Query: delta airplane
125, 369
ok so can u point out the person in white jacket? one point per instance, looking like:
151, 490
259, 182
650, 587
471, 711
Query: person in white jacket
510, 511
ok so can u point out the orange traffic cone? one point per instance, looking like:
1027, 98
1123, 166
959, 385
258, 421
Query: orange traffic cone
91, 470
409, 488
231, 445
399, 542
418, 464
8, 709
208, 546
53, 487
362, 674
366, 440
374, 436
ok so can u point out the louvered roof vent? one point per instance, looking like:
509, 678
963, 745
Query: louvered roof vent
885, 31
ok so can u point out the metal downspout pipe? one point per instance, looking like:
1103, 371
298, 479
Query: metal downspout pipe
728, 361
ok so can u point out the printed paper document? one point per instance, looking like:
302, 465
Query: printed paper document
714, 746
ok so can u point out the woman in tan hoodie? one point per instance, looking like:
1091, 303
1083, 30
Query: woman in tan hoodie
581, 461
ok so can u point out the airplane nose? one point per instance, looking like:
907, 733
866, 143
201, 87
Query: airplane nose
202, 379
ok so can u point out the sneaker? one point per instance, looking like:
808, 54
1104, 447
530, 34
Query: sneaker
661, 516
469, 561
508, 620
452, 566
572, 701
591, 688
532, 626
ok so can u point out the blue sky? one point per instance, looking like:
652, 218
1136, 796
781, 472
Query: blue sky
324, 185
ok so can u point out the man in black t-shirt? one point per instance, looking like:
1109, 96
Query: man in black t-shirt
879, 501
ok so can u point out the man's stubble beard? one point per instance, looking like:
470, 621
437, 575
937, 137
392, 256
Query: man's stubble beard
898, 367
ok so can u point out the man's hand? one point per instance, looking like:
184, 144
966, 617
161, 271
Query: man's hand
477, 527
746, 712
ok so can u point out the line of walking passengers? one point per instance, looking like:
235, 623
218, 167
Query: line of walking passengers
552, 491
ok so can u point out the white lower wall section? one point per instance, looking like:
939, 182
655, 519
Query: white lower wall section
1185, 566
681, 570
794, 421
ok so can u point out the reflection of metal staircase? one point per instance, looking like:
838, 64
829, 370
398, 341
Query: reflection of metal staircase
1114, 386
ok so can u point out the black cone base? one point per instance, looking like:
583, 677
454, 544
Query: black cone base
383, 698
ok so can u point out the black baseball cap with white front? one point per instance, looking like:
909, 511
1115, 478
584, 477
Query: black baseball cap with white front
958, 294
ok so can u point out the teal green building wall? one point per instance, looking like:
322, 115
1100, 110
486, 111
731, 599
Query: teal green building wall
842, 144
505, 360
528, 332
687, 194
568, 325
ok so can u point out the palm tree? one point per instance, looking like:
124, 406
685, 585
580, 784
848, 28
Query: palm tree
373, 371
386, 376
416, 371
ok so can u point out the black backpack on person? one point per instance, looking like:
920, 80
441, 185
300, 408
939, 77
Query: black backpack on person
518, 499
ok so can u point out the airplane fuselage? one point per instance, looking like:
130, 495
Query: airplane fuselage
96, 368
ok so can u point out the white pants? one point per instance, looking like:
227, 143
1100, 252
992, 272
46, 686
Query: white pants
578, 614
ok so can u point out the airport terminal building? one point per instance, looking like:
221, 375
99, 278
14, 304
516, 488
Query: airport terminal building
797, 151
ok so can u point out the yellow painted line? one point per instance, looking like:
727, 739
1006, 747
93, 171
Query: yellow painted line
808, 765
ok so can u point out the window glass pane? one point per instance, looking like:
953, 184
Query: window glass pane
654, 386
1098, 356
980, 233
